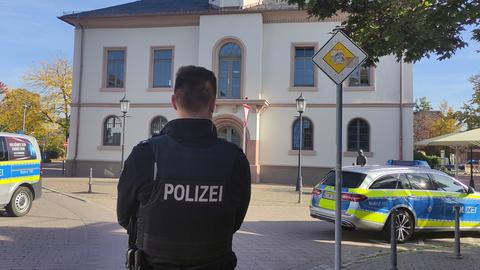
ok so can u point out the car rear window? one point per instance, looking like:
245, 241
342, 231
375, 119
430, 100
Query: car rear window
3, 150
20, 149
349, 179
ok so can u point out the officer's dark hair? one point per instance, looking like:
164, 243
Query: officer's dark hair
195, 87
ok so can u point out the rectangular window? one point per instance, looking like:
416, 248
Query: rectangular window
3, 150
20, 149
115, 69
360, 76
349, 179
162, 68
304, 70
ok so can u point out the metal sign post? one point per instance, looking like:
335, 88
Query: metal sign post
338, 58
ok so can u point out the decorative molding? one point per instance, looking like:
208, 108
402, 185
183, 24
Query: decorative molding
109, 148
303, 152
259, 104
160, 89
345, 105
172, 19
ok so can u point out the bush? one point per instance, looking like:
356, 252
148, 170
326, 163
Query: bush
433, 161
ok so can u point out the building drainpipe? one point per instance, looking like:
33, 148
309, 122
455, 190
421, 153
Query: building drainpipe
401, 112
77, 132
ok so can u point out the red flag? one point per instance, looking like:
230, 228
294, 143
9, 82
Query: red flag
246, 111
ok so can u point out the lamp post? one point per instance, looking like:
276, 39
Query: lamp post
25, 106
124, 107
301, 104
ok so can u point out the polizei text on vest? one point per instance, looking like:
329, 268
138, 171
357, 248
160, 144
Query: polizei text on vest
193, 193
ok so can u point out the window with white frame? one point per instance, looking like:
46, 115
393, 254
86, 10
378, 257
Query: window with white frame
307, 134
112, 131
115, 68
358, 134
304, 70
361, 76
157, 124
230, 71
162, 67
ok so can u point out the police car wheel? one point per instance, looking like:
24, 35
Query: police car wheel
404, 226
20, 203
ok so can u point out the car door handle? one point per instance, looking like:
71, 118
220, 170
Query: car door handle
412, 196
449, 197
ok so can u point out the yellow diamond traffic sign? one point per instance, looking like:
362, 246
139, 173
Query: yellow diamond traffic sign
338, 57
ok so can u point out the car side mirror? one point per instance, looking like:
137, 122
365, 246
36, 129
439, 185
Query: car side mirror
470, 190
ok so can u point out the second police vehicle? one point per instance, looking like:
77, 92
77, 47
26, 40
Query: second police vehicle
20, 181
424, 200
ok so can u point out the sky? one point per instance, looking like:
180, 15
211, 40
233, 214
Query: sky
30, 33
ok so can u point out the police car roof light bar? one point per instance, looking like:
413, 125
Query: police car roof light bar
410, 163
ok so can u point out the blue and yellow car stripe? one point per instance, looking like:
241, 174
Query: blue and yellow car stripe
431, 208
19, 171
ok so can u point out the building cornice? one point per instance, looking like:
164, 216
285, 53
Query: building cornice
260, 104
189, 18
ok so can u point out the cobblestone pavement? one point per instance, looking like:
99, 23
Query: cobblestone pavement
62, 233
279, 234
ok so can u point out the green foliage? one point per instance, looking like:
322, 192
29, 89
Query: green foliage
470, 111
408, 29
447, 122
423, 105
54, 79
14, 105
433, 161
12, 108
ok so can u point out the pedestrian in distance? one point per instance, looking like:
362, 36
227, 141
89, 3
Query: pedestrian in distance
184, 193
361, 158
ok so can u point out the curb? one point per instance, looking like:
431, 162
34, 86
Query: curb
66, 194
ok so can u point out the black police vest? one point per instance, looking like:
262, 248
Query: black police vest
190, 216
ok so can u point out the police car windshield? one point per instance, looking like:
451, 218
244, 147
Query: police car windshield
349, 179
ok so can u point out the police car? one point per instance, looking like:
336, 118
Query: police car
20, 181
425, 200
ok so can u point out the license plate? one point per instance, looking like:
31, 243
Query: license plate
329, 195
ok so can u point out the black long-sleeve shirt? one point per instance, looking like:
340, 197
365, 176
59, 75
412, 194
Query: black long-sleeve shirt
136, 181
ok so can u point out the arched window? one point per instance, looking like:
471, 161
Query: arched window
358, 135
229, 71
112, 131
230, 134
157, 125
307, 134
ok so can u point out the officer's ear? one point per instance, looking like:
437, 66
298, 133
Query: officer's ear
212, 105
174, 102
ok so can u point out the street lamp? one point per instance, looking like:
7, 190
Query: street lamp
301, 104
25, 107
124, 107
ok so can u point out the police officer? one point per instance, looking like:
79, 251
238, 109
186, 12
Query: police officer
188, 189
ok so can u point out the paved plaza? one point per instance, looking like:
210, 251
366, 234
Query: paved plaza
70, 228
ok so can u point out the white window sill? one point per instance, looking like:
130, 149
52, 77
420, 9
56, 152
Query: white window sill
303, 89
106, 89
303, 152
109, 148
160, 89
359, 88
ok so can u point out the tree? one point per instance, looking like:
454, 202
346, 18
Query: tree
470, 111
447, 122
12, 108
423, 105
55, 83
408, 29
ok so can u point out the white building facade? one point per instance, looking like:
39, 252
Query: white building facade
261, 54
